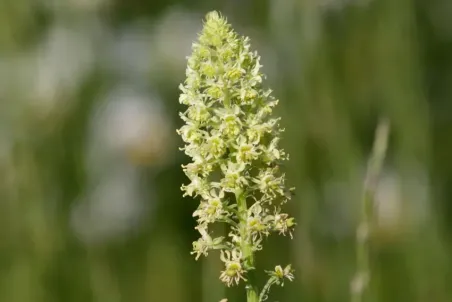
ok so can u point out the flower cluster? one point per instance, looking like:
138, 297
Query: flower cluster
232, 139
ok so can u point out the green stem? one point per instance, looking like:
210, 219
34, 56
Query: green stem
252, 292
263, 295
375, 164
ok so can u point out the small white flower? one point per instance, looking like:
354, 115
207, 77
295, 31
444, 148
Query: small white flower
231, 124
235, 237
233, 177
268, 184
205, 243
246, 152
280, 274
215, 147
198, 167
198, 186
190, 133
233, 268
211, 209
198, 111
284, 224
256, 223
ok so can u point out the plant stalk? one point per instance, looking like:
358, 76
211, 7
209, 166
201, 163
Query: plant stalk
359, 286
252, 292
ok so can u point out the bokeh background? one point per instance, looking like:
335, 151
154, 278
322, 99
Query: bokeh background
90, 176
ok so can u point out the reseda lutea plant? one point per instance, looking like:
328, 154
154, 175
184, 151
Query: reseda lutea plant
233, 141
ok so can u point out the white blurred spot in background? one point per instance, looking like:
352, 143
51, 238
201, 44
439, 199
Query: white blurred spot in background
173, 36
52, 71
129, 53
63, 60
127, 129
140, 51
129, 125
400, 205
112, 208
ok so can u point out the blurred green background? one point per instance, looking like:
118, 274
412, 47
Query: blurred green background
90, 205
